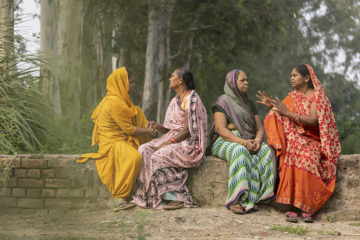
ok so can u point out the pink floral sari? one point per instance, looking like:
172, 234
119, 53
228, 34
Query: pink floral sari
166, 169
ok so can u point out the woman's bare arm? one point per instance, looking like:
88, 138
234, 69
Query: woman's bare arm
221, 128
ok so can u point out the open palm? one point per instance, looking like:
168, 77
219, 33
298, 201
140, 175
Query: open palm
264, 99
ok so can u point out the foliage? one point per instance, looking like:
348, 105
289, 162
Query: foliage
67, 137
22, 119
5, 172
294, 230
264, 38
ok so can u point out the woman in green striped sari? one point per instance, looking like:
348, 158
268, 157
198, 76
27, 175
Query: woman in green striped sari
237, 137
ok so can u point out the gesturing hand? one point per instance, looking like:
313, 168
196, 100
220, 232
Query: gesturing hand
279, 107
265, 99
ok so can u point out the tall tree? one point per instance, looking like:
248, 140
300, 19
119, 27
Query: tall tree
6, 28
49, 52
153, 66
69, 57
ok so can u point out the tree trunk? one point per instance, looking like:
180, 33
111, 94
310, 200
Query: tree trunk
90, 94
155, 58
48, 52
103, 49
152, 73
69, 57
6, 31
165, 61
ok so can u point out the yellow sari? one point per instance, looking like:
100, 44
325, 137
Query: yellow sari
118, 162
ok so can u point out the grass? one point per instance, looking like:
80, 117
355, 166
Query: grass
327, 232
132, 226
294, 230
330, 218
357, 224
5, 170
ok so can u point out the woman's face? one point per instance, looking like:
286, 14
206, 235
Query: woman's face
242, 82
131, 85
297, 80
174, 80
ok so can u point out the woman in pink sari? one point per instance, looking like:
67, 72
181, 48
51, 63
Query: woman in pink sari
166, 160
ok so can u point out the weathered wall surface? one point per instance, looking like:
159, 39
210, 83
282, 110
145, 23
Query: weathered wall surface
57, 181
51, 181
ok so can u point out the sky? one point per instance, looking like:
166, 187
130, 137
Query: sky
29, 26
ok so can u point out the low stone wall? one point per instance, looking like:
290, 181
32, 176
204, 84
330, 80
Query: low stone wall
56, 181
208, 185
51, 181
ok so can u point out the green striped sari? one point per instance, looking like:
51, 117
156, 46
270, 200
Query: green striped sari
251, 177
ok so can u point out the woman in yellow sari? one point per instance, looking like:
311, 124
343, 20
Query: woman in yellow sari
120, 127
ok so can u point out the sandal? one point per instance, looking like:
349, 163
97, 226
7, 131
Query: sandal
237, 209
254, 208
307, 217
123, 205
291, 217
172, 205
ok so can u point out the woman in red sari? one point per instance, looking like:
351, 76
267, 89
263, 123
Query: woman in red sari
303, 131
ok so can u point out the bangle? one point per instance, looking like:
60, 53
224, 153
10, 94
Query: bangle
173, 140
298, 117
258, 139
244, 143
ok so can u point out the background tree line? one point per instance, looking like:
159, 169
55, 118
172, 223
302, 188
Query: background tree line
83, 41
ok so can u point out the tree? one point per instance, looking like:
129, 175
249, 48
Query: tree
156, 57
49, 52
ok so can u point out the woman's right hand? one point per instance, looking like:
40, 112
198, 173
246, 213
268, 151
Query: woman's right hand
150, 124
249, 145
265, 99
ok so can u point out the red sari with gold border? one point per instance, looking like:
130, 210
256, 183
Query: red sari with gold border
307, 155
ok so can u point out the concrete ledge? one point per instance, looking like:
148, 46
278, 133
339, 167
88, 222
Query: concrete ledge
44, 181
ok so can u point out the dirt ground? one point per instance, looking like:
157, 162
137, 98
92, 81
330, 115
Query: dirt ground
195, 223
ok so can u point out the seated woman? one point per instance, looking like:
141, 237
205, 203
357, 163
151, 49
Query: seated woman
166, 160
237, 136
120, 127
303, 131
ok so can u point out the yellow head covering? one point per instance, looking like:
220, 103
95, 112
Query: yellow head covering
117, 86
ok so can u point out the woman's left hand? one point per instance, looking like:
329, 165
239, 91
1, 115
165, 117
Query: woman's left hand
279, 107
257, 145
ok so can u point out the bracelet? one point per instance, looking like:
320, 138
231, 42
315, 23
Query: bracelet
173, 140
257, 139
298, 117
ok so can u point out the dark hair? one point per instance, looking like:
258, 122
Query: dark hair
304, 71
187, 75
130, 74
